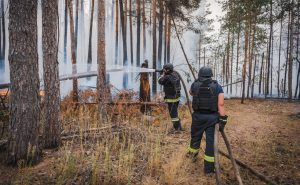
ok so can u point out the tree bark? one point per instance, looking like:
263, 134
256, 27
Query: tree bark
52, 127
154, 79
251, 58
130, 30
279, 60
169, 39
253, 79
290, 74
287, 51
72, 40
89, 59
261, 73
66, 31
125, 59
102, 89
3, 31
144, 30
231, 62
76, 25
245, 59
138, 32
117, 33
24, 108
160, 33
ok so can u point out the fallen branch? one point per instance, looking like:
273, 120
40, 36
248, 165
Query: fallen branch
63, 133
216, 153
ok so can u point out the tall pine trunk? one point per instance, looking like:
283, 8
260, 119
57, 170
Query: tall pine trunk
245, 59
261, 72
290, 70
66, 31
89, 59
144, 30
169, 38
253, 79
76, 25
101, 80
52, 127
160, 33
287, 51
279, 59
130, 30
269, 49
231, 62
154, 79
74, 62
125, 59
23, 142
138, 32
117, 33
3, 31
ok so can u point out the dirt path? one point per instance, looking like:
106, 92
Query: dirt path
264, 134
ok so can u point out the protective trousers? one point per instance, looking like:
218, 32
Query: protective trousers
173, 111
204, 123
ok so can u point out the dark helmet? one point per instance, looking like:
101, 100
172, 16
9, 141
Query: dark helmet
205, 72
168, 67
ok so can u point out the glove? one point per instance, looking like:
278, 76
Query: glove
222, 122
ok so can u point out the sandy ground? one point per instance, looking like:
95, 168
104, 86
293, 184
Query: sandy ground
264, 134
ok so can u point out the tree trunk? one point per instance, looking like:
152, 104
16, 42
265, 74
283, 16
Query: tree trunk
251, 58
72, 40
154, 79
279, 60
245, 59
138, 32
269, 50
144, 30
117, 33
160, 33
261, 73
101, 80
227, 58
231, 62
66, 31
253, 79
89, 60
237, 50
3, 31
52, 128
287, 51
166, 33
24, 116
169, 38
76, 25
125, 59
290, 74
130, 30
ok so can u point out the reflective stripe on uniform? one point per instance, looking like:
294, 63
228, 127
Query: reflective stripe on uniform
209, 158
192, 150
175, 119
159, 78
172, 100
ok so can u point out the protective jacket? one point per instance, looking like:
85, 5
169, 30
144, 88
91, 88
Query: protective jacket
205, 97
171, 83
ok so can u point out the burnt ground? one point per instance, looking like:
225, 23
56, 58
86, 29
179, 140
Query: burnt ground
263, 133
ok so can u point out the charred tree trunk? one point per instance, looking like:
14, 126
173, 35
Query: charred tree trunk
72, 40
154, 79
117, 33
160, 33
102, 89
66, 31
52, 128
89, 60
138, 32
23, 60
144, 88
130, 30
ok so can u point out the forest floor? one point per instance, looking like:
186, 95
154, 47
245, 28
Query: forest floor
138, 149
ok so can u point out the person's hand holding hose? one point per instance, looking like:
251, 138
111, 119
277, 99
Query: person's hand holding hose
222, 122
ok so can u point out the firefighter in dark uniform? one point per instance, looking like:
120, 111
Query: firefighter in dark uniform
208, 106
171, 85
